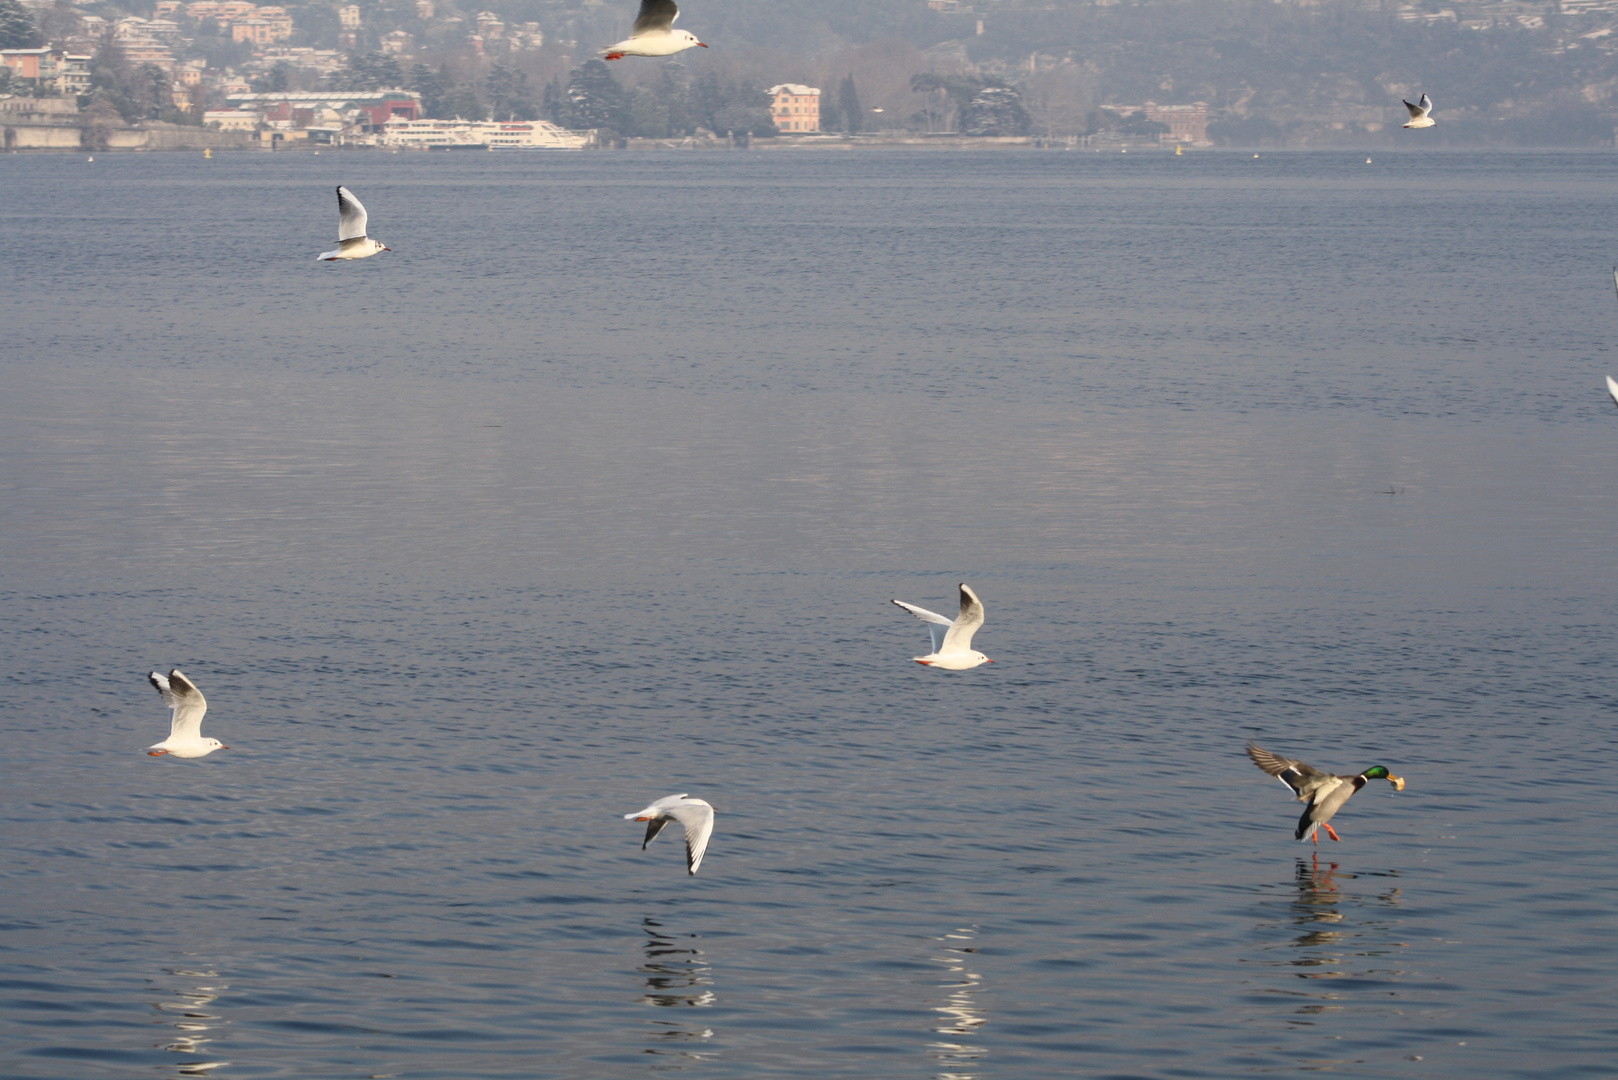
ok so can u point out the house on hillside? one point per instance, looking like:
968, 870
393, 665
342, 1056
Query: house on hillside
795, 108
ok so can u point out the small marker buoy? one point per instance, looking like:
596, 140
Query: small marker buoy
1367, 161
92, 158
1255, 155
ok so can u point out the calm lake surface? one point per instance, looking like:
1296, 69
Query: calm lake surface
596, 489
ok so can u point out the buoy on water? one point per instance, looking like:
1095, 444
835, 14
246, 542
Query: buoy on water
1367, 161
92, 157
1178, 150
207, 151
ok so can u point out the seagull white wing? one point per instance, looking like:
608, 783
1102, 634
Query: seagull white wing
1615, 277
1612, 388
697, 817
181, 695
959, 638
656, 17
1416, 111
1426, 104
351, 218
937, 625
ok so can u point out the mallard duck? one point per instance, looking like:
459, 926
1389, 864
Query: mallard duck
1324, 793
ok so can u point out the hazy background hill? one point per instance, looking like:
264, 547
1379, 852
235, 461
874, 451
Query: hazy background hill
1296, 72
1273, 72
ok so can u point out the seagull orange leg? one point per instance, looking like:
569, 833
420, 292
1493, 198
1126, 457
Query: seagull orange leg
156, 753
613, 56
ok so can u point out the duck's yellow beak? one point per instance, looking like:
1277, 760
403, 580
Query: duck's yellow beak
1398, 782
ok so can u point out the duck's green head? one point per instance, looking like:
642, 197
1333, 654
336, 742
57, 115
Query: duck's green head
1379, 772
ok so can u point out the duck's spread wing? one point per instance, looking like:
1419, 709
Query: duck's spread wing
959, 638
697, 817
937, 625
1301, 778
181, 695
351, 218
656, 17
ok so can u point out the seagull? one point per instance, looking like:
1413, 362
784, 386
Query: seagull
1324, 793
952, 641
694, 814
1612, 388
653, 33
1419, 111
185, 731
352, 243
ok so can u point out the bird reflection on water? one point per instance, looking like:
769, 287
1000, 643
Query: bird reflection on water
959, 1016
677, 976
1335, 931
183, 1006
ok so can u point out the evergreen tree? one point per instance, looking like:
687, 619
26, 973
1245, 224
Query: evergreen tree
594, 99
998, 110
830, 116
508, 93
370, 71
848, 103
433, 86
462, 103
17, 29
731, 108
151, 92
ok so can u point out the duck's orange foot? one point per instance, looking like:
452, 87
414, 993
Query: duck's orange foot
1330, 831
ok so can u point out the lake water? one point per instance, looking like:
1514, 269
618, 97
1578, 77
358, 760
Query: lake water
596, 489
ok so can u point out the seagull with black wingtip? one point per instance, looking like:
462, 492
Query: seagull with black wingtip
1419, 111
352, 243
694, 814
185, 739
952, 638
653, 33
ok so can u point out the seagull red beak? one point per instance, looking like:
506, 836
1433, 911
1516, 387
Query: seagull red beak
925, 663
643, 819
222, 746
986, 660
702, 44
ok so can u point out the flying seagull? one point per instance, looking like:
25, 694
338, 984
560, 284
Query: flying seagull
952, 640
1419, 111
694, 814
1322, 793
653, 33
1612, 388
185, 729
352, 243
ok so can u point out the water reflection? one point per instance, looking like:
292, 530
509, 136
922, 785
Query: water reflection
959, 1014
184, 999
1337, 925
678, 976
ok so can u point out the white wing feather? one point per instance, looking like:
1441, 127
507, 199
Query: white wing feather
959, 638
351, 217
937, 625
182, 696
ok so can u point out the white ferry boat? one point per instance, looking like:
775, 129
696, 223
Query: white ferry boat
473, 134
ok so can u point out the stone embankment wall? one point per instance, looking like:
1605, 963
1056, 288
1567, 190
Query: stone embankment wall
56, 124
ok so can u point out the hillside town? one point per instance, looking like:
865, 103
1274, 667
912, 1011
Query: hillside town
1084, 72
